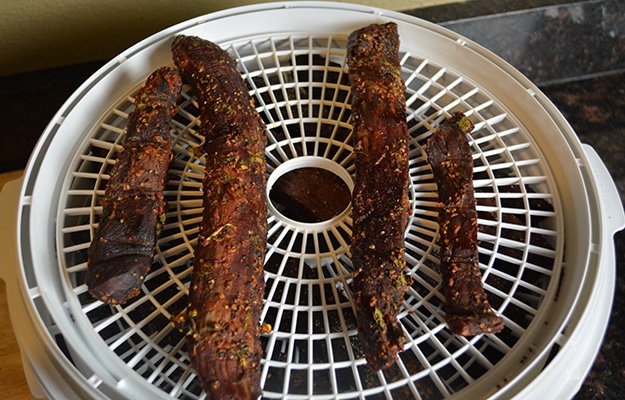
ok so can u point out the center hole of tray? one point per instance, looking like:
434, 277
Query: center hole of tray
310, 190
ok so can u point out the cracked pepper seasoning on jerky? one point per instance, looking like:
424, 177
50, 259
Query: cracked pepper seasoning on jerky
121, 252
468, 311
380, 205
221, 322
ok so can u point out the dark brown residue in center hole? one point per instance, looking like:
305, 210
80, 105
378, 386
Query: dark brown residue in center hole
310, 195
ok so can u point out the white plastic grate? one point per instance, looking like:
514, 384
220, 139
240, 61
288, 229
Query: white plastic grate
301, 88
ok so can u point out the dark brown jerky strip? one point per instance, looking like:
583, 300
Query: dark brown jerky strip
221, 321
468, 311
121, 252
380, 204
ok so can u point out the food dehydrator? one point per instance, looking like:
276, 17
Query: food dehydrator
547, 212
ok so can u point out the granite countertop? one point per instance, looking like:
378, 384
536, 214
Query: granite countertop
574, 52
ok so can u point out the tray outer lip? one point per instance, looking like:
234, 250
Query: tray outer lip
590, 319
34, 185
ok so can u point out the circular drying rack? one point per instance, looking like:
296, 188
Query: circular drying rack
534, 216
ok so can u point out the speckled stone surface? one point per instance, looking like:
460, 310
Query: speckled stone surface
573, 51
556, 43
479, 8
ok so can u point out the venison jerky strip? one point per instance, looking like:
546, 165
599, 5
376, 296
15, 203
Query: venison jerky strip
466, 305
121, 252
380, 204
221, 322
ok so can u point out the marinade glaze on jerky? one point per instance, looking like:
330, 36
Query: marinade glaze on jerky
221, 322
380, 205
468, 311
121, 252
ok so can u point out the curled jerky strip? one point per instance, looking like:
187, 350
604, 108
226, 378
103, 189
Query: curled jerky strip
120, 254
468, 311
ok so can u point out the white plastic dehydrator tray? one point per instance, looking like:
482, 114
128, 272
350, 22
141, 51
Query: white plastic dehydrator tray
548, 210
